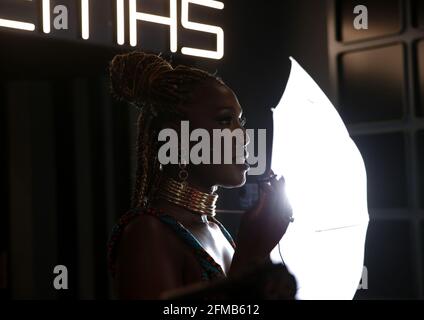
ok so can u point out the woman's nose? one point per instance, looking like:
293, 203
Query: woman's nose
246, 137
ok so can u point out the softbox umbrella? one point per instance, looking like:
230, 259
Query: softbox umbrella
327, 188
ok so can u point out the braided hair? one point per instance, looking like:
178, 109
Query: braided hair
158, 90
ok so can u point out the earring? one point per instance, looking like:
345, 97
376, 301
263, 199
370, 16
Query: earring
183, 173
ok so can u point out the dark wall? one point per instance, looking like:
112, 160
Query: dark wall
376, 74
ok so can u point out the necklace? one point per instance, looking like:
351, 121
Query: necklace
183, 195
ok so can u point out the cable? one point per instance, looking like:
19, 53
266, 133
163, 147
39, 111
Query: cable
281, 256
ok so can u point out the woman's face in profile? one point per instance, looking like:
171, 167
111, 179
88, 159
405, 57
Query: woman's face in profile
215, 106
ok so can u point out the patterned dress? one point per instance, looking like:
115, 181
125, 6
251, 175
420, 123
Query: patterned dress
210, 268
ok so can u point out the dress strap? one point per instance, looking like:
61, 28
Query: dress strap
211, 269
225, 232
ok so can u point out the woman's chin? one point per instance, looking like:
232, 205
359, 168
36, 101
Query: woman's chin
238, 180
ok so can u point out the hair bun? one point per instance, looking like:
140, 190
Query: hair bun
133, 74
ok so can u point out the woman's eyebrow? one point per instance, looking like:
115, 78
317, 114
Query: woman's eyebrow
232, 109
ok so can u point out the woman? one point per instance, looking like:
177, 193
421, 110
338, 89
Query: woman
171, 239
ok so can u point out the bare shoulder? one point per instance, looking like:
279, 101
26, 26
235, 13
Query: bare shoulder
148, 262
148, 231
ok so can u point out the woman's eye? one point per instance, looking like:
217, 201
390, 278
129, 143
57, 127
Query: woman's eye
225, 121
228, 121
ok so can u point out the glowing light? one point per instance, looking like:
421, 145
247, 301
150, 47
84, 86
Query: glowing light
120, 22
171, 21
17, 25
46, 16
327, 188
85, 19
219, 53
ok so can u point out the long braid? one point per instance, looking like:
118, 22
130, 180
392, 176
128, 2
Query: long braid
143, 151
158, 90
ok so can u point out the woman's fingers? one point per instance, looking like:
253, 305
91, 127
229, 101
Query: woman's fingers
265, 189
278, 183
282, 204
273, 200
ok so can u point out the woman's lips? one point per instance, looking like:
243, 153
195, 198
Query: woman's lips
242, 163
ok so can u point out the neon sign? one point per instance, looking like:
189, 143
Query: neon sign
134, 22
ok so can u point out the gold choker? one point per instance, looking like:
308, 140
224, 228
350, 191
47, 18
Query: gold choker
187, 197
